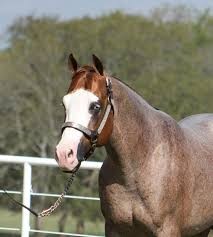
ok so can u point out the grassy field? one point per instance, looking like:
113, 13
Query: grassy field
13, 220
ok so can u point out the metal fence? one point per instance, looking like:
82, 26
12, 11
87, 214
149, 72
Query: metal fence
28, 162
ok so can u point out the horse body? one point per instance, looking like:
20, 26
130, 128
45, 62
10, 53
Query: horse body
157, 178
198, 131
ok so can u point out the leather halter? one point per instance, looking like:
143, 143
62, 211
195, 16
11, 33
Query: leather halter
93, 135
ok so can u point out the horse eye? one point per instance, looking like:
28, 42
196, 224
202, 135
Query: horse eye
95, 107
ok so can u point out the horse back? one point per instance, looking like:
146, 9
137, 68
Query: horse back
199, 130
198, 142
198, 148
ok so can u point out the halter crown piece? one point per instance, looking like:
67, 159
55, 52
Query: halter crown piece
94, 134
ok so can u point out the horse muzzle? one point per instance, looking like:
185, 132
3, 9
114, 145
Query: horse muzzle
66, 157
71, 150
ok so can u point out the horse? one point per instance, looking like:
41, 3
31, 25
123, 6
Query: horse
157, 178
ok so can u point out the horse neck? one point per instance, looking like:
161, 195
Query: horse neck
138, 129
130, 126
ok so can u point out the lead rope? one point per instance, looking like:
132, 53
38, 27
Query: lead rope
52, 208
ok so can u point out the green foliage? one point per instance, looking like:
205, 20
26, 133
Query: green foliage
166, 57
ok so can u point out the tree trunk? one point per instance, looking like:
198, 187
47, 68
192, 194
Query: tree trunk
80, 226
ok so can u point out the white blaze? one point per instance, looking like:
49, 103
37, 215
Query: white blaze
77, 106
77, 110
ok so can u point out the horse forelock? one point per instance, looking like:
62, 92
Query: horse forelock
88, 79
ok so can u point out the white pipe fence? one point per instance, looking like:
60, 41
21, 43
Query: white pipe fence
28, 162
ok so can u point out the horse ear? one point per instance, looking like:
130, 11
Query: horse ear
98, 64
72, 63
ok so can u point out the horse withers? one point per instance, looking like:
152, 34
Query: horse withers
157, 178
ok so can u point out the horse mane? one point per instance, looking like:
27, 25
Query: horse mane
123, 82
131, 88
91, 69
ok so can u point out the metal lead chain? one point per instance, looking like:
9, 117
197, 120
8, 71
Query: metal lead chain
51, 209
48, 211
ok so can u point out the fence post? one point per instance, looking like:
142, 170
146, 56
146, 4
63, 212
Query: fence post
25, 229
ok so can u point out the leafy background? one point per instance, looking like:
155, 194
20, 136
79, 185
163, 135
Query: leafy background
167, 57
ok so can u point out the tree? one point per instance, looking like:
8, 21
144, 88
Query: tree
166, 59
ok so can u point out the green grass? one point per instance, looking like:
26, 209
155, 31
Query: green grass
13, 220
10, 219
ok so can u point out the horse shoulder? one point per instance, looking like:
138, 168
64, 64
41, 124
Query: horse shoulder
111, 190
121, 205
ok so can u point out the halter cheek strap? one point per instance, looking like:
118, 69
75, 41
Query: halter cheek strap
93, 134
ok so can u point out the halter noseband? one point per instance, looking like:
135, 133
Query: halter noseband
92, 135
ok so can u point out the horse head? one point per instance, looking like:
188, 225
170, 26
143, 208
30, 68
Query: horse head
88, 114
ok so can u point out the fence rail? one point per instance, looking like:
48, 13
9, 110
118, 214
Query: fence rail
27, 163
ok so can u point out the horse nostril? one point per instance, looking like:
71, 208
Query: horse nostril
70, 153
